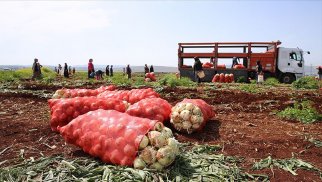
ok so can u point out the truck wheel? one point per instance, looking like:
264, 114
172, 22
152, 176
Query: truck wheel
287, 78
252, 75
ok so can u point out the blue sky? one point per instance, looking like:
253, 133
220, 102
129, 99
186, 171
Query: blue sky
139, 32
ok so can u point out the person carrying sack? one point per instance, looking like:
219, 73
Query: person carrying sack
197, 70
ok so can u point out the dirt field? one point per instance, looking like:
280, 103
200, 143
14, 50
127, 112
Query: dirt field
245, 126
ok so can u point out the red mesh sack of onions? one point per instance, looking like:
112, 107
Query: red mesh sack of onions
191, 115
65, 110
71, 93
151, 108
121, 139
117, 94
151, 76
131, 96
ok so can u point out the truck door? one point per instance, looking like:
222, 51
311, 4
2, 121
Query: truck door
296, 61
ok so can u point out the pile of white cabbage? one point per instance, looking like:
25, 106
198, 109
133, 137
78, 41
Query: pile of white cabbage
158, 149
186, 117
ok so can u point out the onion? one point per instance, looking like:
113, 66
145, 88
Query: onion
156, 166
197, 111
195, 126
175, 115
148, 155
178, 126
186, 125
127, 105
189, 106
144, 142
58, 94
180, 107
139, 163
156, 139
174, 144
166, 156
158, 126
167, 133
196, 119
185, 115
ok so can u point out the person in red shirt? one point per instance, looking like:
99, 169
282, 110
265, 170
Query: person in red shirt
90, 67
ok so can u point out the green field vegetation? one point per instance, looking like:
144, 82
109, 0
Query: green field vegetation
271, 82
163, 79
307, 82
251, 88
80, 77
171, 81
199, 163
303, 112
24, 74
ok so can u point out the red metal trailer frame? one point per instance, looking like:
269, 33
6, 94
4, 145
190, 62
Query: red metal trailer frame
268, 59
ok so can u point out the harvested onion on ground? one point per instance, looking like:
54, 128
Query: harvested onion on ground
158, 149
190, 115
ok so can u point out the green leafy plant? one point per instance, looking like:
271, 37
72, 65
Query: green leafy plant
307, 82
120, 79
316, 142
171, 81
251, 88
291, 165
241, 79
271, 81
303, 112
139, 81
206, 148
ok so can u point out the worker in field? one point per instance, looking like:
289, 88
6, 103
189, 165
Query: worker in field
320, 72
74, 70
35, 69
235, 61
151, 68
99, 74
197, 70
90, 67
39, 66
60, 70
107, 70
128, 71
259, 70
66, 75
146, 69
111, 71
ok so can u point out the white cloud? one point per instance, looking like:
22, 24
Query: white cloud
52, 17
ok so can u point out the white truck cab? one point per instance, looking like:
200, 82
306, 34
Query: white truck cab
290, 64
